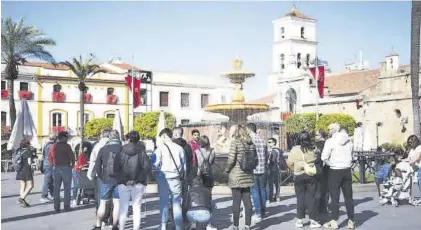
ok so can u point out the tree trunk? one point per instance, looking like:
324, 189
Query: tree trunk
415, 65
82, 119
12, 107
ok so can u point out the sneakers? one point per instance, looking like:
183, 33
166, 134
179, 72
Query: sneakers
44, 200
246, 227
331, 225
314, 224
299, 223
24, 203
234, 228
351, 224
74, 203
256, 218
97, 228
210, 228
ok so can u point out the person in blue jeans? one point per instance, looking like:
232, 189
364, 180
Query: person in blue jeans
258, 191
62, 158
170, 166
104, 167
47, 170
414, 156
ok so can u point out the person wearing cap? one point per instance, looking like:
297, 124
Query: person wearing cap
62, 158
48, 185
337, 153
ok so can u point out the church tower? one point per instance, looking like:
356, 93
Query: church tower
294, 46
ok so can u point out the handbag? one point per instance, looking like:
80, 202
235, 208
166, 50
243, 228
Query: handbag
309, 169
172, 157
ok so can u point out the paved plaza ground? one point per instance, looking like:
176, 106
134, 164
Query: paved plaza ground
369, 214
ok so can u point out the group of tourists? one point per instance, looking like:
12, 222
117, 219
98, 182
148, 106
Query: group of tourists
321, 166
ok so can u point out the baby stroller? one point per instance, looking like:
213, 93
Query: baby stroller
86, 188
399, 187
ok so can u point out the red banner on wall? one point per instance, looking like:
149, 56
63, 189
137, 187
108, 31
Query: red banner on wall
320, 79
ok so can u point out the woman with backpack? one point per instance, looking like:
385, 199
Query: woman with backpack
242, 151
22, 163
131, 167
302, 159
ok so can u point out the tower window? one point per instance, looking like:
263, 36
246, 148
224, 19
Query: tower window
302, 32
110, 91
298, 60
282, 32
282, 66
282, 58
308, 59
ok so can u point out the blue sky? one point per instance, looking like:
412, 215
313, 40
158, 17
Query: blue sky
204, 37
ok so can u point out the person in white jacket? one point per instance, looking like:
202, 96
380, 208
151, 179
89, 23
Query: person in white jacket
337, 153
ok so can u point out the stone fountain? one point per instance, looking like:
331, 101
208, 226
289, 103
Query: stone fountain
238, 110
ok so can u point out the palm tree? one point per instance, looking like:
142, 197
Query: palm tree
415, 65
19, 42
82, 69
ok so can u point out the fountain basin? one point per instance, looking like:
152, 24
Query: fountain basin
237, 112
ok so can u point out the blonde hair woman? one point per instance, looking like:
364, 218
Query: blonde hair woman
239, 181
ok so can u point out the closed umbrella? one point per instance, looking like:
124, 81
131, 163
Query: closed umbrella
118, 124
23, 128
161, 126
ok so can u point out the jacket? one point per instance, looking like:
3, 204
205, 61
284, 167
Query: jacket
194, 146
295, 159
101, 143
61, 154
199, 197
237, 178
45, 152
190, 169
104, 164
81, 162
337, 152
165, 164
132, 164
274, 159
262, 154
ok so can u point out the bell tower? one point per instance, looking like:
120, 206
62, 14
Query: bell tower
294, 45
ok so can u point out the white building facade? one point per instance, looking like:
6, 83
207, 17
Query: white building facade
53, 96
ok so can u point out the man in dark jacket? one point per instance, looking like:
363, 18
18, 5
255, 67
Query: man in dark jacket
190, 172
132, 168
275, 155
322, 192
62, 158
104, 167
47, 170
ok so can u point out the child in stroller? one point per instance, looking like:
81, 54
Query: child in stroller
83, 188
399, 187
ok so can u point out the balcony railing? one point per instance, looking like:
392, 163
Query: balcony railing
25, 94
4, 94
111, 99
87, 98
58, 96
57, 129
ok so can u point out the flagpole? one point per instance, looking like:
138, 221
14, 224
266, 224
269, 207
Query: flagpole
133, 77
317, 87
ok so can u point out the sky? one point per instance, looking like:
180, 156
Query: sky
204, 37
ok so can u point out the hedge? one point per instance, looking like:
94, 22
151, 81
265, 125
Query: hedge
147, 124
307, 122
94, 127
390, 146
299, 122
344, 120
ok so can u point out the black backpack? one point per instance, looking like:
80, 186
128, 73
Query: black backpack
206, 171
249, 160
282, 162
17, 160
110, 162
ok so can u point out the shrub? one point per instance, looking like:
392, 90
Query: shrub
344, 120
94, 127
147, 124
299, 122
390, 146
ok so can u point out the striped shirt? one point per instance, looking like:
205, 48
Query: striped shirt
262, 153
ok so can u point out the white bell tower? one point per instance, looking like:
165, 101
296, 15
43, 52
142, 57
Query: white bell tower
294, 46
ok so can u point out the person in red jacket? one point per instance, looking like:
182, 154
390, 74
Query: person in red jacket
81, 162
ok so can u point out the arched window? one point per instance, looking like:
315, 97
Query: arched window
291, 98
302, 32
110, 91
56, 88
57, 119
298, 60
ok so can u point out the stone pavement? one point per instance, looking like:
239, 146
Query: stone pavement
368, 213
